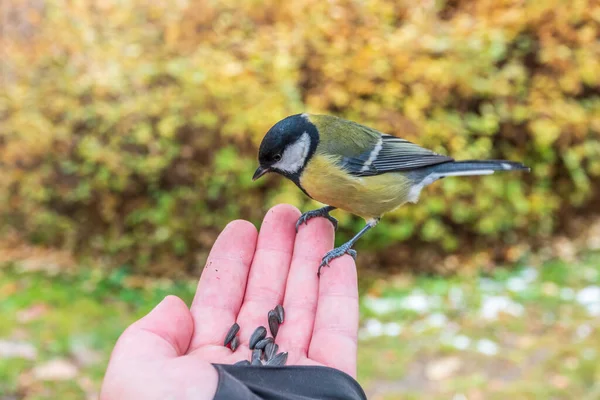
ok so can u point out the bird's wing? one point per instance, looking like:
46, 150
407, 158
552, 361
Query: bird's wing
392, 154
365, 151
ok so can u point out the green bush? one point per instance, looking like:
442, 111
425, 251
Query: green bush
129, 129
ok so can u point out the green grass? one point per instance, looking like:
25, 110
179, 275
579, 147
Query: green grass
546, 346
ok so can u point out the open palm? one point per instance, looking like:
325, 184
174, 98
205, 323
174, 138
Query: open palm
246, 274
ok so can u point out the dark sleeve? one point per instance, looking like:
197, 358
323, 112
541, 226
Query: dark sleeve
290, 382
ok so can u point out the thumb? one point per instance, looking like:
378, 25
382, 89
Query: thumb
165, 332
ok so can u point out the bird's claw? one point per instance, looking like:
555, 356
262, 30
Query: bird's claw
352, 253
336, 253
302, 220
313, 214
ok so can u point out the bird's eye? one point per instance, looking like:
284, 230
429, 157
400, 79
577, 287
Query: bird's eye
277, 157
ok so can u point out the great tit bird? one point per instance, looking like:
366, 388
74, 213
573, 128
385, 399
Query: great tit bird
356, 168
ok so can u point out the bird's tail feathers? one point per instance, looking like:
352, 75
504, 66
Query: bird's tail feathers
474, 167
461, 168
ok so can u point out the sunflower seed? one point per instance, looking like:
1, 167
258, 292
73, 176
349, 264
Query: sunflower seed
270, 350
273, 323
258, 335
256, 362
235, 328
278, 360
243, 362
235, 343
256, 354
280, 313
261, 345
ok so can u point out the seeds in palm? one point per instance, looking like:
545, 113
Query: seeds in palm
280, 313
258, 335
273, 322
270, 350
235, 328
278, 360
261, 344
256, 355
235, 343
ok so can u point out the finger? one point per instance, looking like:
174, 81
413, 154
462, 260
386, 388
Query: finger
334, 338
268, 275
165, 332
222, 284
300, 303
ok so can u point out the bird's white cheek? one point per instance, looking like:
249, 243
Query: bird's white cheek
294, 156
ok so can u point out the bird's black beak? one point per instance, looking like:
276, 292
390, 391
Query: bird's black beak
260, 171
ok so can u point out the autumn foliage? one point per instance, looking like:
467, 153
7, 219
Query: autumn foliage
129, 129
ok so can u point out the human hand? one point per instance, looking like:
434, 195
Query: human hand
168, 353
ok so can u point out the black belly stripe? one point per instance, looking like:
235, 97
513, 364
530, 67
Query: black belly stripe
296, 180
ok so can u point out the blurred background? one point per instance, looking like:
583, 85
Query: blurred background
128, 138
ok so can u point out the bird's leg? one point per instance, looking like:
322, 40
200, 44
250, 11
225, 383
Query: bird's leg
346, 248
321, 212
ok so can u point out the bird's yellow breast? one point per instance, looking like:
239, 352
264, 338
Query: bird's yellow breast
368, 197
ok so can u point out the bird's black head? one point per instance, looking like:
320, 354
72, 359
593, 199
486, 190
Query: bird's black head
287, 147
